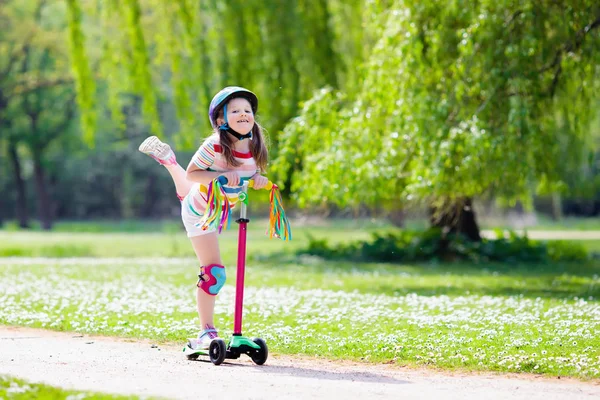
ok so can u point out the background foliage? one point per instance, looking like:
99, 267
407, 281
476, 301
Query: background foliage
412, 103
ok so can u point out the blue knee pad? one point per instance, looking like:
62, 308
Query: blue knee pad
212, 278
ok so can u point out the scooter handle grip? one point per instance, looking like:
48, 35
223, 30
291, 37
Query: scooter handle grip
223, 181
268, 186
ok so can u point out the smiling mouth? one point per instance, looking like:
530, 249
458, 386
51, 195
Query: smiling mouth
243, 120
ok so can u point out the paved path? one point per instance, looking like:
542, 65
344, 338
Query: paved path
117, 366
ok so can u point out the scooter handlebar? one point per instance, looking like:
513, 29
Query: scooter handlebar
223, 181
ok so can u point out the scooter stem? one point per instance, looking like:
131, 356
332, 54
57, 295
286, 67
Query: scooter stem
241, 266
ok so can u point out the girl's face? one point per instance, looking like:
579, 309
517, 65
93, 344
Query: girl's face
239, 115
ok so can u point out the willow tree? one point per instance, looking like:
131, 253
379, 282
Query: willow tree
457, 99
183, 51
32, 64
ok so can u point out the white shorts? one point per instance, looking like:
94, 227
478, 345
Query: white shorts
190, 220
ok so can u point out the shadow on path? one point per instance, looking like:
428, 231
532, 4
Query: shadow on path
312, 373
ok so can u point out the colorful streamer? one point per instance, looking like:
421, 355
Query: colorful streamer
279, 226
218, 211
218, 208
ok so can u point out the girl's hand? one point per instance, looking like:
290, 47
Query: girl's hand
259, 181
233, 179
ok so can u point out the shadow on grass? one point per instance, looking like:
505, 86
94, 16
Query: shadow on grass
552, 280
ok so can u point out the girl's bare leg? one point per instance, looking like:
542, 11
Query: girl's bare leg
205, 246
207, 251
182, 184
164, 155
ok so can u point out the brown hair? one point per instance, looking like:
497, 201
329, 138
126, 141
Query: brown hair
258, 147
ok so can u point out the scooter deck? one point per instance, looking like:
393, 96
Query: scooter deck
189, 352
237, 345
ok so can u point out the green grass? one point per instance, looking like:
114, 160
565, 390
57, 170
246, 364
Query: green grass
18, 389
593, 246
175, 225
543, 222
502, 317
567, 223
167, 242
101, 226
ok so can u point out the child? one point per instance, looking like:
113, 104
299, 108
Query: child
236, 149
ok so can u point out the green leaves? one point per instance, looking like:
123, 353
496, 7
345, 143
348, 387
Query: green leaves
182, 52
85, 83
411, 100
432, 246
455, 99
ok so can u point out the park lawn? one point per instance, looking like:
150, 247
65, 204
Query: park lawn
168, 239
18, 389
543, 223
593, 246
511, 318
567, 223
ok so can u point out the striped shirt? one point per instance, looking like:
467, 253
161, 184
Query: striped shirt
210, 157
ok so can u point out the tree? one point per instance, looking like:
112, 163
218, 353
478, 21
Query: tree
35, 70
457, 99
184, 51
46, 115
18, 35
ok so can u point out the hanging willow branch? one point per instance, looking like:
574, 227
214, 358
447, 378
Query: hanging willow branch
142, 66
184, 65
182, 49
85, 84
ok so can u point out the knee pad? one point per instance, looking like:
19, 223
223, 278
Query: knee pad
212, 278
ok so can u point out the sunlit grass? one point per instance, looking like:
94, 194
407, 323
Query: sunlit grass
518, 319
568, 223
167, 238
593, 246
170, 242
503, 317
18, 389
412, 222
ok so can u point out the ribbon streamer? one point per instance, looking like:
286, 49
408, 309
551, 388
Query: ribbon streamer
218, 211
279, 226
218, 208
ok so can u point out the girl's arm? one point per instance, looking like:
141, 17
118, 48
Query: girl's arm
197, 169
195, 174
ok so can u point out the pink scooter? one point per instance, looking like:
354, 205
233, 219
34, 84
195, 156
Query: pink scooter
255, 348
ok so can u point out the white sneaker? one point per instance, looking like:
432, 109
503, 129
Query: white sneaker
158, 150
205, 337
202, 342
200, 345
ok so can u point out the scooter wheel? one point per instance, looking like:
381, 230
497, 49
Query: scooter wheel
260, 356
217, 351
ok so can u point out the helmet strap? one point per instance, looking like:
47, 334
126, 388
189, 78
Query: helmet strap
227, 128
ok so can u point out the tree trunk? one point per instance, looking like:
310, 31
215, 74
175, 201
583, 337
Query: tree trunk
21, 205
43, 196
456, 217
397, 217
127, 193
150, 197
557, 213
